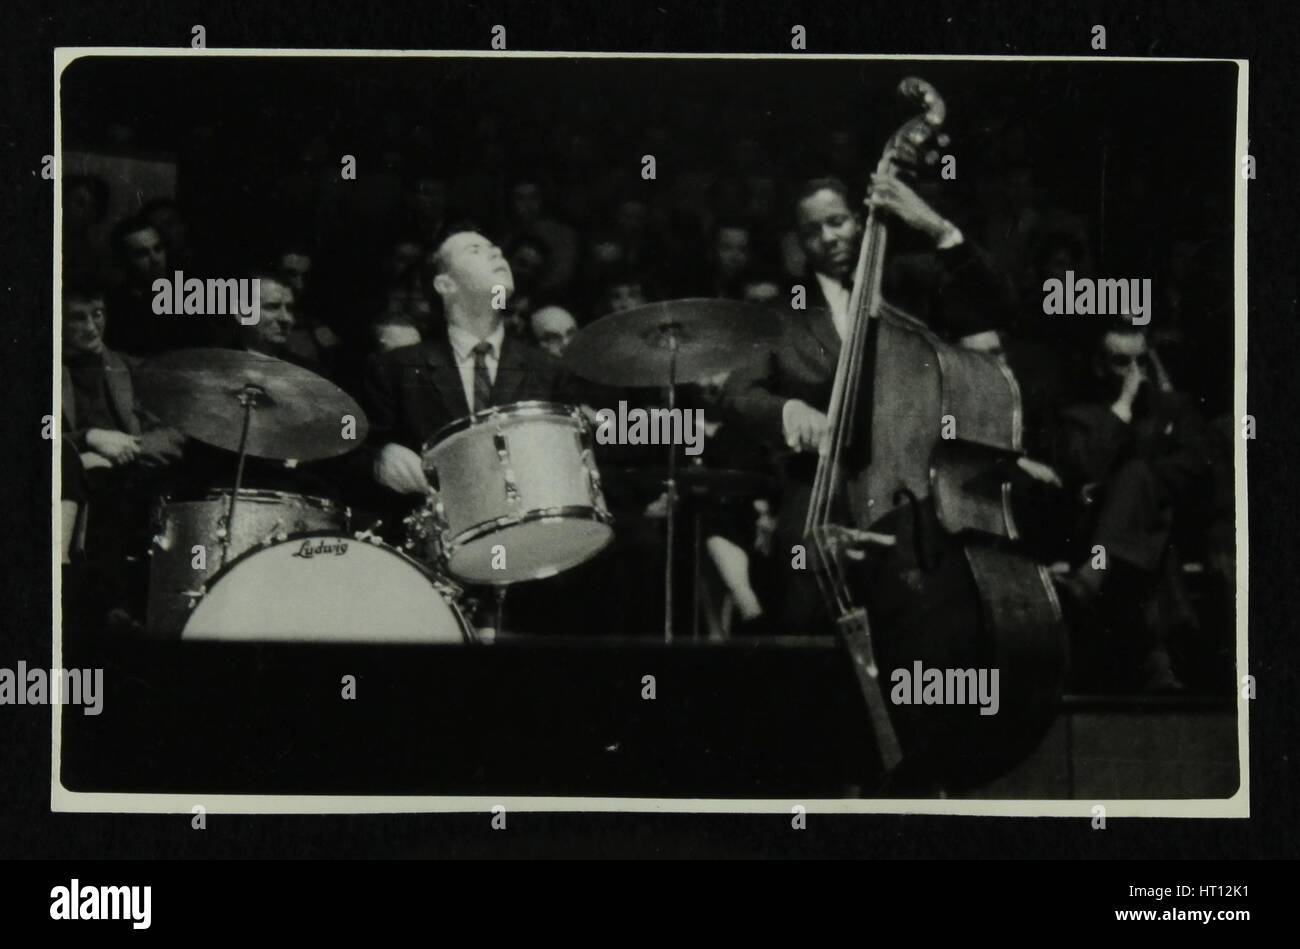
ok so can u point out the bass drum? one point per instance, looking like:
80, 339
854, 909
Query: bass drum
182, 524
327, 588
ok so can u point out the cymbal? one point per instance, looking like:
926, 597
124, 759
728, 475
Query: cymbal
632, 348
296, 413
698, 480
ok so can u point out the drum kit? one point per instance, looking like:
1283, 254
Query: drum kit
516, 491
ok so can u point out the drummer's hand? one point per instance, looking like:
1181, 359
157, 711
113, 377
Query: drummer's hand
117, 447
658, 507
1040, 472
399, 468
805, 427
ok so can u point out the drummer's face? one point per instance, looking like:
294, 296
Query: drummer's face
828, 231
474, 265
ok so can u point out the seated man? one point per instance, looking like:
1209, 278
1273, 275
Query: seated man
143, 257
1136, 453
277, 318
102, 417
209, 468
312, 342
123, 449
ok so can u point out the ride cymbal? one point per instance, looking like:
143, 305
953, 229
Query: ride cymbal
295, 413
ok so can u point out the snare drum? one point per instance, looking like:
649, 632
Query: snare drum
327, 588
180, 526
519, 495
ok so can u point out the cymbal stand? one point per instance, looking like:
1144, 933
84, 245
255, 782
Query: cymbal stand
248, 397
670, 336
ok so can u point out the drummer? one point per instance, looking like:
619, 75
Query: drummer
468, 364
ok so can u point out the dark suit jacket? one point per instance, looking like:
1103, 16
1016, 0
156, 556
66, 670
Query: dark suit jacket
1167, 433
969, 296
121, 392
412, 392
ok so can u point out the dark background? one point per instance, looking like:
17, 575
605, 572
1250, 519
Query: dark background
1156, 29
1105, 154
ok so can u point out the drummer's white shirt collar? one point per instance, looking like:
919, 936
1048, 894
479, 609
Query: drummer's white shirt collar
462, 347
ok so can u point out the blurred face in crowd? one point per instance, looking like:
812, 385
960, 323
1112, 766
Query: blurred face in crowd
554, 328
1058, 262
406, 306
271, 332
762, 197
83, 326
632, 217
526, 262
1059, 258
761, 291
80, 205
828, 232
471, 267
294, 267
606, 250
402, 257
625, 296
732, 249
526, 202
1122, 353
145, 255
168, 221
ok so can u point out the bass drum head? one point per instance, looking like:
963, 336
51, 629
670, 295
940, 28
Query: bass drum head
325, 588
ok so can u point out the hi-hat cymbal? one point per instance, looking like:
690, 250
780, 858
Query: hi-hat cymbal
634, 347
296, 413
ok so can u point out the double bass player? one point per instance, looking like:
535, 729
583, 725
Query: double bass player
782, 397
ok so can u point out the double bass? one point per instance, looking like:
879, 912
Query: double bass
913, 525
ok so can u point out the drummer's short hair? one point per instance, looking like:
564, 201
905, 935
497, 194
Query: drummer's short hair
436, 262
810, 186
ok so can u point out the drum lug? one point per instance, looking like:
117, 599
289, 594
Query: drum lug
593, 483
508, 472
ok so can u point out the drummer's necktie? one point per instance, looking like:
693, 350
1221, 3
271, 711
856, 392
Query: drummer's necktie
482, 378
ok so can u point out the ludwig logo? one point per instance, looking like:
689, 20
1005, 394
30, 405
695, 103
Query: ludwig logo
309, 550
